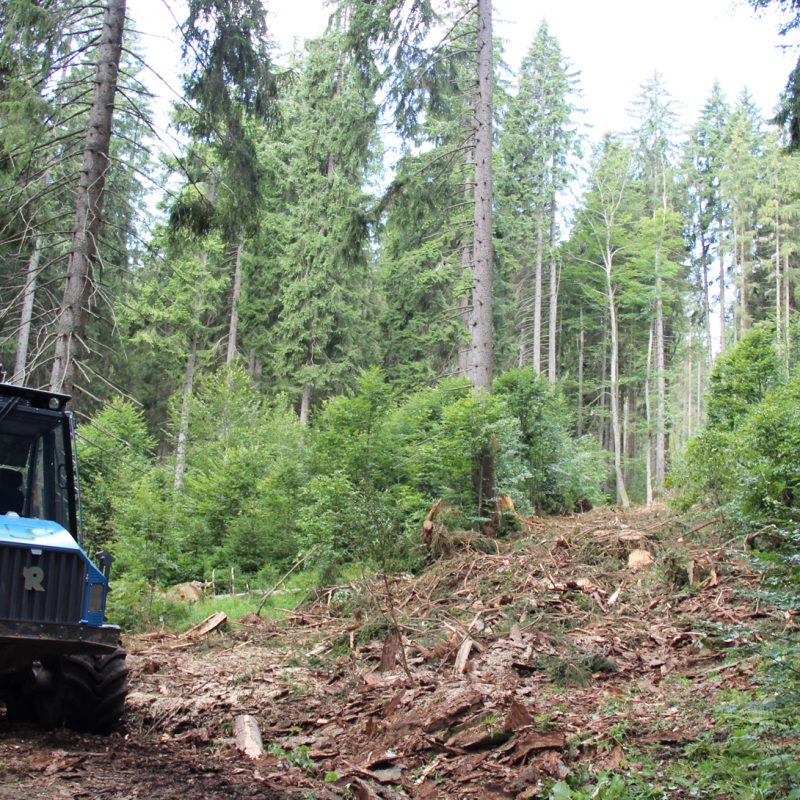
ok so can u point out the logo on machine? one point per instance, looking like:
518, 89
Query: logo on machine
33, 579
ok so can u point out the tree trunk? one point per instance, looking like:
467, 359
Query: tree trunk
481, 352
553, 309
778, 291
688, 417
26, 314
481, 333
466, 265
706, 299
622, 494
537, 293
786, 309
233, 327
581, 346
626, 435
661, 394
183, 423
73, 313
649, 421
699, 393
305, 404
721, 293
744, 300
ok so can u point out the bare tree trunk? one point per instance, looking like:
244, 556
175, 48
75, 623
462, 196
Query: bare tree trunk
183, 423
688, 421
787, 308
706, 301
481, 322
581, 346
305, 404
778, 291
233, 327
26, 314
553, 309
661, 395
699, 393
721, 295
649, 421
605, 428
481, 348
537, 293
73, 313
744, 300
626, 435
466, 263
622, 494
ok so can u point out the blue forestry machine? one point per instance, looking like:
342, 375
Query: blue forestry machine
60, 664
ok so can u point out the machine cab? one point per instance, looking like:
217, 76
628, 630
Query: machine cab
45, 577
36, 474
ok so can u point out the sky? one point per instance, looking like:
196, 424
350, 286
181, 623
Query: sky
616, 45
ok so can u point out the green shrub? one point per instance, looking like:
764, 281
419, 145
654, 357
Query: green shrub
245, 465
562, 471
114, 451
745, 460
769, 455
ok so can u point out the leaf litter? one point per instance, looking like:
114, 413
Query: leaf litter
490, 675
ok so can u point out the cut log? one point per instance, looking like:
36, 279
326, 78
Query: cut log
205, 627
248, 736
463, 656
639, 558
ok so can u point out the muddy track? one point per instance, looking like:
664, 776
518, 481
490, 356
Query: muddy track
61, 765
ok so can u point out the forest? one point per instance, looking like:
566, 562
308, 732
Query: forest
515, 406
289, 346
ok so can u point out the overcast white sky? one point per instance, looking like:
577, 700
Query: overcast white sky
616, 45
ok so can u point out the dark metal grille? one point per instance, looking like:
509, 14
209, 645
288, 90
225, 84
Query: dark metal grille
64, 583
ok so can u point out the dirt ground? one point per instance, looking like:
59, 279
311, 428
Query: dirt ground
574, 644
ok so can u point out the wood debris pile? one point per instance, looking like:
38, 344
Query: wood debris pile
488, 676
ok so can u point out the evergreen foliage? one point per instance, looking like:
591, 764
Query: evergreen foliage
745, 460
295, 326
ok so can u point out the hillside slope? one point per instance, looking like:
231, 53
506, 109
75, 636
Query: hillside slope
577, 649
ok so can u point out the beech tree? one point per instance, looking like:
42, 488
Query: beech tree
604, 229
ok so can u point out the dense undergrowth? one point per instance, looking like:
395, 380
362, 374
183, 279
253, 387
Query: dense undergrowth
259, 490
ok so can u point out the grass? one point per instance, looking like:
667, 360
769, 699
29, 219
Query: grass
291, 593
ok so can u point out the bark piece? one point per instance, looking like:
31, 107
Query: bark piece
482, 731
517, 717
538, 741
443, 710
389, 653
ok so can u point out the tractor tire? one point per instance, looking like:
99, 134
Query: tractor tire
92, 691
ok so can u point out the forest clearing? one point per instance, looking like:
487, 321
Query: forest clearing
504, 409
563, 656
